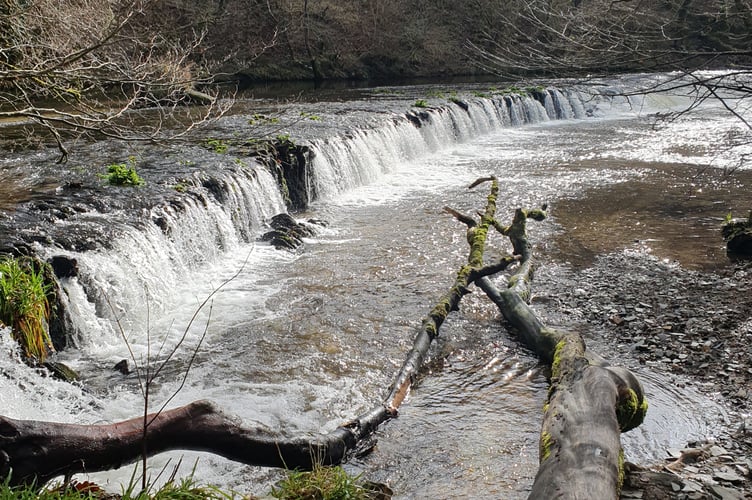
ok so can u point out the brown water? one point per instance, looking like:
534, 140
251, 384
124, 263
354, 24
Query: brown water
674, 210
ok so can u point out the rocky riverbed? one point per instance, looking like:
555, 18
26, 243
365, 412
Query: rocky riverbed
695, 325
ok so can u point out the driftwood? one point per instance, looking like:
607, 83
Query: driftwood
589, 402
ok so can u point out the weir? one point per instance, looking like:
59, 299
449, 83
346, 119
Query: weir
347, 161
133, 274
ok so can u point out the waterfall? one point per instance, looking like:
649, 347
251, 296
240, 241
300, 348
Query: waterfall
360, 156
149, 268
164, 262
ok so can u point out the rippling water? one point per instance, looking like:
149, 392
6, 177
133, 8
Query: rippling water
303, 342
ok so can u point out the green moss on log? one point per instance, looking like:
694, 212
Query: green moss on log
546, 442
630, 412
556, 364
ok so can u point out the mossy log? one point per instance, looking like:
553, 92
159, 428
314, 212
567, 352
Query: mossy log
589, 404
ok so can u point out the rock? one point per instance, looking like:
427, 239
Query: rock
727, 476
64, 267
630, 494
122, 367
287, 233
616, 320
723, 493
61, 371
738, 236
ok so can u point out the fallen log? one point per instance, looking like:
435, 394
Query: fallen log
35, 451
589, 403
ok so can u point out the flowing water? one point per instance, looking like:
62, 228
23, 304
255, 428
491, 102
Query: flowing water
301, 342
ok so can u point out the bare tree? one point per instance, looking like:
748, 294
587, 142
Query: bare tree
565, 38
100, 68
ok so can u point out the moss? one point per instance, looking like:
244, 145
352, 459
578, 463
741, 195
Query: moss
546, 442
621, 474
431, 330
631, 412
556, 364
480, 233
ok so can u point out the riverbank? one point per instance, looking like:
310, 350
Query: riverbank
643, 311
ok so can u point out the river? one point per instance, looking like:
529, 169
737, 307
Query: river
303, 341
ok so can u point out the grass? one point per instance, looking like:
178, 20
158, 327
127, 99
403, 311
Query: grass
322, 483
183, 489
24, 306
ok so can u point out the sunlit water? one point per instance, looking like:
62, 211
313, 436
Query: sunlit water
303, 342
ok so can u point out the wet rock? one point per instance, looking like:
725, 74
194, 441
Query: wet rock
61, 371
738, 236
63, 266
287, 233
122, 367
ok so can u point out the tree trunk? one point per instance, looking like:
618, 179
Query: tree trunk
39, 451
589, 404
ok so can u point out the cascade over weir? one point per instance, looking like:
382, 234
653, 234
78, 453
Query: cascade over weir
135, 245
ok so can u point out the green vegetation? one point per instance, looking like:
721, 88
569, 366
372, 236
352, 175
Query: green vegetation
185, 489
24, 306
441, 94
217, 145
284, 139
546, 441
121, 174
310, 116
421, 103
323, 483
262, 119
631, 412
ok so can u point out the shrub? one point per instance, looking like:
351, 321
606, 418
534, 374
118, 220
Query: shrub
120, 174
